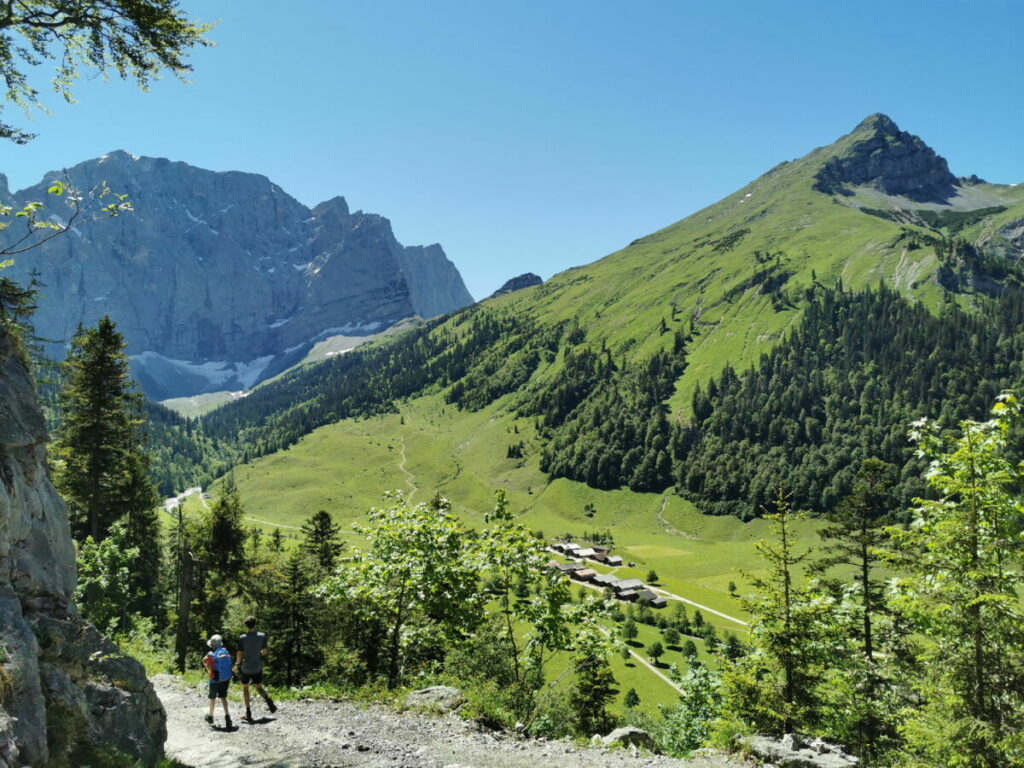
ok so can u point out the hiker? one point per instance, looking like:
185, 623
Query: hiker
218, 663
252, 647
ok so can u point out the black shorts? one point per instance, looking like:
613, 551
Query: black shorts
219, 689
256, 678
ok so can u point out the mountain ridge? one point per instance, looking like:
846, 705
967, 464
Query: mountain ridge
216, 275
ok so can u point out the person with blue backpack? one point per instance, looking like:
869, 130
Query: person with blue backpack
218, 664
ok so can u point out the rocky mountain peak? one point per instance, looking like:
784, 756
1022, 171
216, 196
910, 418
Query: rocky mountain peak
336, 205
524, 280
878, 123
878, 154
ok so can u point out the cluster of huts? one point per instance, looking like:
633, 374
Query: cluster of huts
598, 553
629, 590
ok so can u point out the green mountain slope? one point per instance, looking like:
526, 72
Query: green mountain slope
736, 269
603, 361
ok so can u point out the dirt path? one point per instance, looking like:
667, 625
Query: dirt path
410, 478
701, 606
317, 734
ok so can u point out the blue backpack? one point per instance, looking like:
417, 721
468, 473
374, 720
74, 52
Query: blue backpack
222, 663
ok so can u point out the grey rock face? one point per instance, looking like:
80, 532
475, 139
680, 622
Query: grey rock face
440, 698
894, 161
791, 751
215, 274
58, 670
1013, 233
518, 283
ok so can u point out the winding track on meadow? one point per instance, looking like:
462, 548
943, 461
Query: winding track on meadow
410, 478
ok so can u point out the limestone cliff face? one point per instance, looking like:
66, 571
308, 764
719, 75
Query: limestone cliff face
894, 161
216, 274
56, 670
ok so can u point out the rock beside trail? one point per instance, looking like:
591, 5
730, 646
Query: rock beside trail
630, 736
792, 751
63, 686
437, 698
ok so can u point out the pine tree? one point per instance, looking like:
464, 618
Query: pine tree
322, 540
776, 687
853, 539
102, 466
290, 620
632, 699
595, 682
218, 550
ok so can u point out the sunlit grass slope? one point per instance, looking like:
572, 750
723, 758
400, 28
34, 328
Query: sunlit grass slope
432, 448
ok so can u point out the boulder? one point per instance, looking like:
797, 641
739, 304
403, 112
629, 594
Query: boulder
438, 698
630, 736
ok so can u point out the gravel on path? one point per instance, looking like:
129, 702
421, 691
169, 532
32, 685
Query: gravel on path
314, 733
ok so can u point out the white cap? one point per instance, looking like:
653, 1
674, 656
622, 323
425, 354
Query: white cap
215, 641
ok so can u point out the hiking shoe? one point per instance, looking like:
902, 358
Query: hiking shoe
248, 716
227, 721
209, 719
271, 706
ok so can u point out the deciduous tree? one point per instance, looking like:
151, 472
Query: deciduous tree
961, 591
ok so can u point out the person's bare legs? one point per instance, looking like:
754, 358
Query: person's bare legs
266, 698
245, 698
227, 714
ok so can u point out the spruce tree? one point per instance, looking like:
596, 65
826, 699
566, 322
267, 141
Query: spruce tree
291, 621
102, 469
777, 686
322, 540
853, 540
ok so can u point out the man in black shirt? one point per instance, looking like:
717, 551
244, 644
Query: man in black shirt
252, 647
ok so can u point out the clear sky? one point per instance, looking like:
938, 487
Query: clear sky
540, 134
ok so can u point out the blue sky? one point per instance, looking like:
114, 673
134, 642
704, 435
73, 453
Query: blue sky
534, 136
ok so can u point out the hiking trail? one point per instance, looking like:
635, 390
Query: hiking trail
308, 733
410, 478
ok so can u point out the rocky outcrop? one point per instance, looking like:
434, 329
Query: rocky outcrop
793, 751
215, 275
894, 161
436, 698
517, 284
64, 688
630, 736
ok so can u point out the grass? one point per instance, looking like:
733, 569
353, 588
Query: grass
691, 275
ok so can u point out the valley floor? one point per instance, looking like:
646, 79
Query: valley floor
314, 733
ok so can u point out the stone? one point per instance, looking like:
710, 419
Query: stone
56, 668
630, 736
224, 268
437, 698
